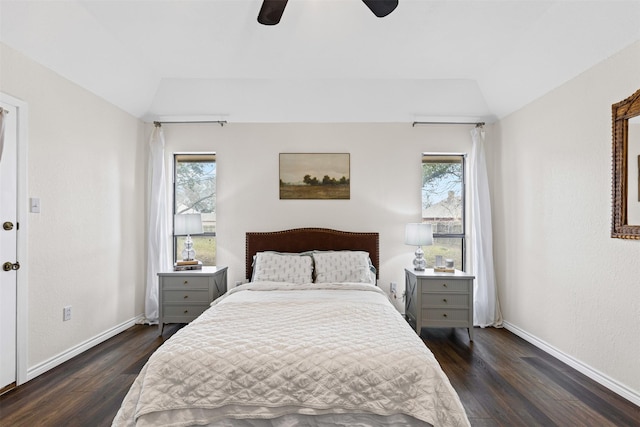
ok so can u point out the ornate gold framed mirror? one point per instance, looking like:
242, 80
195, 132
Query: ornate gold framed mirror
625, 211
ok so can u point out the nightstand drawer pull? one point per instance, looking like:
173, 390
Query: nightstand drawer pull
443, 299
186, 311
186, 282
186, 296
444, 315
444, 285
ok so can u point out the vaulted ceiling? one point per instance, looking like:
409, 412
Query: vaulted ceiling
326, 61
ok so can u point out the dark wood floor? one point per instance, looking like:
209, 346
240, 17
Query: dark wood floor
501, 380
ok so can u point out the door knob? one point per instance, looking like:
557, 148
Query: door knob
8, 225
8, 266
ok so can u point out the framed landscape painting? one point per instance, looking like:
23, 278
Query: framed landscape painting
314, 176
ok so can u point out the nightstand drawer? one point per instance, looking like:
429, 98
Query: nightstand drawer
183, 312
185, 282
445, 315
186, 295
446, 300
445, 285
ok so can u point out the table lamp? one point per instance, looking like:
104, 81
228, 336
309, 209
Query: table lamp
186, 225
418, 234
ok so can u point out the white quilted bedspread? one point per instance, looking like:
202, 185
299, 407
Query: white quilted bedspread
268, 350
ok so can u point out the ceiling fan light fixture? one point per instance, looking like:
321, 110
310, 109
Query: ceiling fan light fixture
271, 11
381, 8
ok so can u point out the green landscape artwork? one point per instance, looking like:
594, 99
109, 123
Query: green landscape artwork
314, 176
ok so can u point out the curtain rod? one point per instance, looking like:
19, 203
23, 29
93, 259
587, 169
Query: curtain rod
220, 122
478, 124
224, 122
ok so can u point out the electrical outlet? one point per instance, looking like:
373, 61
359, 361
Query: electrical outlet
393, 287
66, 313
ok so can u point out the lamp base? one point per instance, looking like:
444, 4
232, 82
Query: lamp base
188, 253
419, 263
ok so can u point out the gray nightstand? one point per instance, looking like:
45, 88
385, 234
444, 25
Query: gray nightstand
439, 300
184, 295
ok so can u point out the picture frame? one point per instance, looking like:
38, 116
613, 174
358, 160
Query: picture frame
315, 176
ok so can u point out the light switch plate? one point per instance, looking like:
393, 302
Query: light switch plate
34, 205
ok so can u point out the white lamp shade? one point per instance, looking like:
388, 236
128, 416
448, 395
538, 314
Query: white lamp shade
187, 224
418, 234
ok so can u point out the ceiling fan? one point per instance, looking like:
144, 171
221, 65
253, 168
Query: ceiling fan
271, 10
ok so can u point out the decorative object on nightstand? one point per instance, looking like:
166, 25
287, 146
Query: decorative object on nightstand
443, 267
187, 265
439, 300
186, 225
418, 234
184, 295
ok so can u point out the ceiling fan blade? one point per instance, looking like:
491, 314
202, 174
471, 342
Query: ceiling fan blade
271, 11
381, 8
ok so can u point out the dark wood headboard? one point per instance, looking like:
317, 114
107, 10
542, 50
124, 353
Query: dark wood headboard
308, 239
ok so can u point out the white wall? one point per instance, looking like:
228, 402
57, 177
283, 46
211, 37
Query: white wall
86, 163
562, 279
385, 181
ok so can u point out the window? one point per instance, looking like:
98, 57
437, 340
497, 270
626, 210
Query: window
443, 201
194, 190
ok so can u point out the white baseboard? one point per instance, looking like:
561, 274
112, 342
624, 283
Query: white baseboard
613, 385
58, 359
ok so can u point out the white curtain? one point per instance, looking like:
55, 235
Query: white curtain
486, 305
158, 225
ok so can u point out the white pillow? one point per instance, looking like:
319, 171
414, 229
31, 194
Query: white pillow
343, 266
274, 267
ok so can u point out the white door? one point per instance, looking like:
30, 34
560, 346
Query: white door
8, 247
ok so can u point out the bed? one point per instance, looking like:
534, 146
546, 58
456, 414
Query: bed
309, 341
